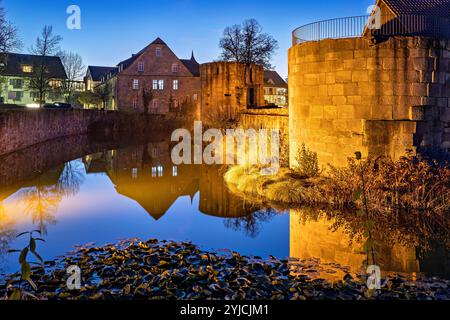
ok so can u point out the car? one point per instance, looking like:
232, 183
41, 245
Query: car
58, 105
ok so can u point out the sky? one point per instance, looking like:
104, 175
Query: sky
111, 30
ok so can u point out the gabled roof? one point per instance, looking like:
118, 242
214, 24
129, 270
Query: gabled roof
272, 78
97, 73
159, 41
15, 61
192, 65
439, 8
128, 62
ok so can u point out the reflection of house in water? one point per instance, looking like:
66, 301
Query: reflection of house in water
318, 238
146, 174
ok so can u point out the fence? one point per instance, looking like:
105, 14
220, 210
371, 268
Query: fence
372, 26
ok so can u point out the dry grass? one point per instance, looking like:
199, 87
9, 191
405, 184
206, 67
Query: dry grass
411, 183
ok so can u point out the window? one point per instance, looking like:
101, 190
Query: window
134, 173
160, 171
15, 95
141, 67
34, 95
161, 84
175, 103
16, 83
158, 52
154, 170
27, 68
175, 84
135, 104
175, 68
55, 83
195, 97
135, 84
175, 171
158, 85
155, 107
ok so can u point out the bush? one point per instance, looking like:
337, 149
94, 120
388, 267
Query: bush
307, 163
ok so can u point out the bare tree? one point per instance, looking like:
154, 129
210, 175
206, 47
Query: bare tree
46, 45
75, 70
247, 43
9, 40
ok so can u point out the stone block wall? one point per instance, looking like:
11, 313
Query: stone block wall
349, 95
20, 129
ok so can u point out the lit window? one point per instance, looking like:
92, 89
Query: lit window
134, 173
158, 52
55, 83
155, 84
160, 171
27, 69
161, 84
175, 171
175, 84
175, 68
154, 172
195, 97
136, 84
175, 103
141, 66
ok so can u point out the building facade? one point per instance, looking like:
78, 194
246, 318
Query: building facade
19, 69
153, 81
94, 75
275, 89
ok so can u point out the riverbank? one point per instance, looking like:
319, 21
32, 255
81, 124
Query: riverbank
379, 185
168, 270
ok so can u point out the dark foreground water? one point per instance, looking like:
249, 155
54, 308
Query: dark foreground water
78, 191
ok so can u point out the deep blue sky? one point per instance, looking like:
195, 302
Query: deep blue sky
114, 29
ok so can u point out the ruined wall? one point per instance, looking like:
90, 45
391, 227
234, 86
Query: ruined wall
226, 89
349, 95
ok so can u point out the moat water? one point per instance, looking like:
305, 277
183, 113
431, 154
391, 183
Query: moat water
80, 191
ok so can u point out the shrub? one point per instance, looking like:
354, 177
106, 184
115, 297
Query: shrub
307, 163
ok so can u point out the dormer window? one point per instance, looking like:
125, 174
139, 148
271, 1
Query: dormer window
175, 68
141, 67
27, 68
158, 52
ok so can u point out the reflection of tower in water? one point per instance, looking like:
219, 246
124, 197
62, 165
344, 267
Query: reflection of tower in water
320, 237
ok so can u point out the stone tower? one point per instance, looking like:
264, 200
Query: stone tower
229, 88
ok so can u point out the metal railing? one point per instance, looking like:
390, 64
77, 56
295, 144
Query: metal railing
384, 26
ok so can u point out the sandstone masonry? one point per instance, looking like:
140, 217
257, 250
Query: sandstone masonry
349, 95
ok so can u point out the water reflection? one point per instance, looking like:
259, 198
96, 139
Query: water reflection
188, 202
339, 238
